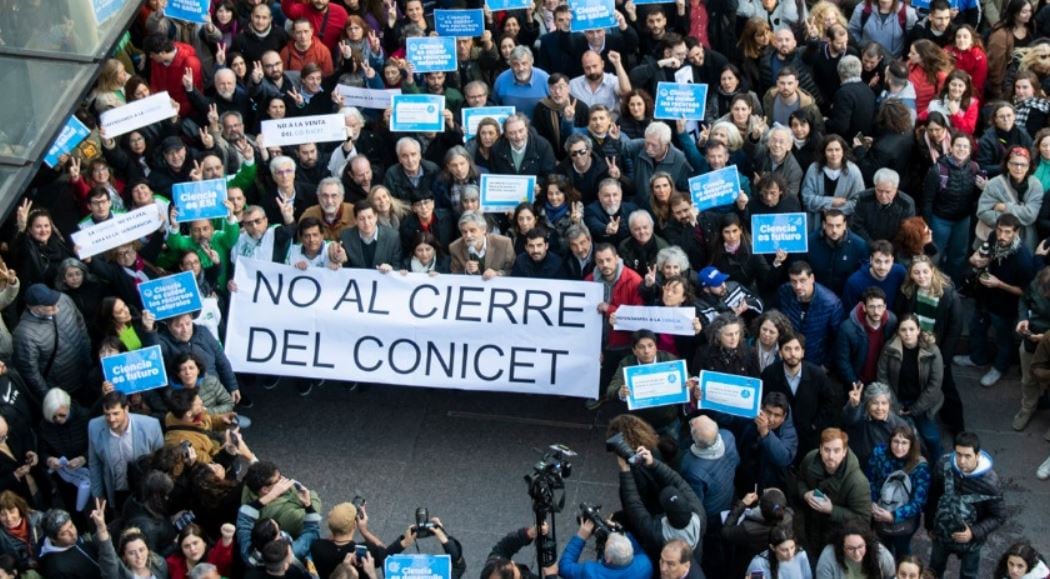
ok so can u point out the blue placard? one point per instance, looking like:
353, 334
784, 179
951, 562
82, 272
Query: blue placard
195, 11
592, 14
500, 193
775, 231
652, 385
679, 101
730, 394
423, 113
200, 199
105, 9
418, 567
715, 188
136, 371
644, 2
72, 135
171, 295
459, 23
498, 5
471, 116
431, 53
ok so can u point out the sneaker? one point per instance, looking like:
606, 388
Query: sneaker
245, 401
964, 360
1043, 472
243, 421
1021, 419
304, 387
270, 382
595, 403
991, 377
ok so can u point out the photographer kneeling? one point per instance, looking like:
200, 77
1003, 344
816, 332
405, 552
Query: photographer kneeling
427, 526
622, 557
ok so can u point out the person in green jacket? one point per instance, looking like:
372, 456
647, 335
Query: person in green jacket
832, 489
664, 419
211, 246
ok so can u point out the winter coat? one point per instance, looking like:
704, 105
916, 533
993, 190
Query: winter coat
38, 262
114, 568
991, 514
885, 31
789, 170
807, 101
1001, 190
847, 488
79, 560
712, 479
570, 567
853, 110
866, 433
640, 257
821, 321
882, 463
744, 267
815, 199
538, 160
25, 553
851, 344
949, 190
991, 148
746, 530
931, 376
204, 344
833, 263
828, 566
814, 406
624, 293
767, 84
1000, 50
766, 460
891, 150
401, 186
975, 62
873, 220
925, 91
169, 78
35, 341
648, 528
673, 163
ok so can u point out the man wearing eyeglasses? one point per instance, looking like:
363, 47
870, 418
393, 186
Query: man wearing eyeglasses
583, 167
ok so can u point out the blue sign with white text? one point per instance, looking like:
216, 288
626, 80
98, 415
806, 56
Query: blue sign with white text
652, 385
498, 5
680, 101
715, 188
72, 135
776, 231
136, 371
459, 23
592, 14
431, 53
418, 567
171, 295
188, 10
423, 113
200, 199
730, 394
644, 2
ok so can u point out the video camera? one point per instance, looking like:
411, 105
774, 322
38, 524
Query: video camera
548, 475
618, 444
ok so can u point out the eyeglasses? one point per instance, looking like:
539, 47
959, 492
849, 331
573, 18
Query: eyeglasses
1018, 164
255, 221
855, 548
578, 153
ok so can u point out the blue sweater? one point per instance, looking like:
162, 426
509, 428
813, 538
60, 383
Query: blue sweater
862, 280
569, 567
833, 264
821, 320
712, 480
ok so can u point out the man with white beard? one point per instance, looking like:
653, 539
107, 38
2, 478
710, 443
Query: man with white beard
606, 218
225, 96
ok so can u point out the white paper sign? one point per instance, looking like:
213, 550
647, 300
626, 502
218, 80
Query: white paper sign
662, 320
450, 331
366, 98
684, 75
299, 130
121, 229
126, 118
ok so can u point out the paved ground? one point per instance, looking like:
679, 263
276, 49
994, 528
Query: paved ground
463, 456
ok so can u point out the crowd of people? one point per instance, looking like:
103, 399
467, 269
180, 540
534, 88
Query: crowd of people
914, 139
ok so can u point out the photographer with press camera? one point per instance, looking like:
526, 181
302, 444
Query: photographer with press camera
619, 554
627, 432
427, 526
500, 564
345, 520
683, 514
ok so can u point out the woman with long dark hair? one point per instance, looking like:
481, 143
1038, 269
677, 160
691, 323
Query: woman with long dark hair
784, 559
732, 83
193, 547
460, 170
731, 254
967, 50
959, 101
913, 367
897, 523
425, 255
1021, 561
559, 207
726, 349
1004, 135
1015, 29
892, 145
833, 181
949, 195
38, 245
754, 44
806, 138
854, 552
928, 66
637, 112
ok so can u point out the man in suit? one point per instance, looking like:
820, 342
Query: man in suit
580, 262
367, 245
480, 252
814, 402
115, 440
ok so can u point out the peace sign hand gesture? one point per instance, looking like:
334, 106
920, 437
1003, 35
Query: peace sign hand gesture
74, 169
22, 214
570, 109
614, 171
257, 72
187, 79
650, 276
297, 97
854, 393
613, 227
197, 173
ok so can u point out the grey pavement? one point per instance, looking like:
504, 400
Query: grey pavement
463, 455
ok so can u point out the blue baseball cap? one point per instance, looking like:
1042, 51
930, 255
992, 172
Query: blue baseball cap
711, 277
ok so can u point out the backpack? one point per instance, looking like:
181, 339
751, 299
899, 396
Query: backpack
955, 512
943, 175
895, 493
902, 14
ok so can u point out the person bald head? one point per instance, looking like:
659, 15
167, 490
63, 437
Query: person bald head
704, 431
593, 67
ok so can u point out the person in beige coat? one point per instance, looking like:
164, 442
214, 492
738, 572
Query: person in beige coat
478, 252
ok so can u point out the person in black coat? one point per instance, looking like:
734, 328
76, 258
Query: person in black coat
823, 56
439, 222
879, 211
892, 144
853, 105
557, 116
815, 404
538, 261
538, 154
555, 53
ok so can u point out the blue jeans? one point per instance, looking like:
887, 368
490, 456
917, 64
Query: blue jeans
953, 239
898, 545
1004, 336
930, 433
969, 562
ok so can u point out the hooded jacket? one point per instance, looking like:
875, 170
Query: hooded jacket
931, 375
769, 458
984, 481
649, 529
169, 78
847, 488
818, 324
851, 344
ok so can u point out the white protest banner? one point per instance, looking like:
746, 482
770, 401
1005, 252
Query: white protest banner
366, 98
451, 331
299, 130
141, 113
122, 228
677, 321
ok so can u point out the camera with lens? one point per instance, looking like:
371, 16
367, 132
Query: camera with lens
424, 527
359, 502
602, 528
548, 475
618, 444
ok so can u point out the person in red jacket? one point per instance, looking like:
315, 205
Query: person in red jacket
171, 62
328, 19
621, 285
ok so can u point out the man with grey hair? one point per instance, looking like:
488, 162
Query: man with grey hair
521, 86
521, 151
776, 158
412, 174
225, 95
853, 108
584, 167
639, 250
476, 93
606, 218
623, 556
710, 467
580, 260
204, 571
332, 210
478, 252
360, 140
880, 210
658, 155
286, 189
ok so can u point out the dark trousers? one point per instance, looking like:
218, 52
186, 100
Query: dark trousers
969, 561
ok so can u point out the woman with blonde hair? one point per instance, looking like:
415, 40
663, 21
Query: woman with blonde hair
109, 88
823, 15
389, 209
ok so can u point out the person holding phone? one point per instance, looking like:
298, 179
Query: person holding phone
785, 558
832, 489
345, 520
